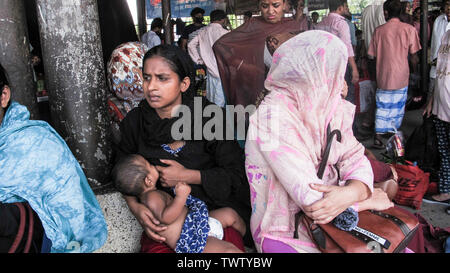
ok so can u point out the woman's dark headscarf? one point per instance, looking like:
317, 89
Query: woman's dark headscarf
3, 79
3, 82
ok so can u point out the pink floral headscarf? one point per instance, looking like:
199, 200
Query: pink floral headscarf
308, 73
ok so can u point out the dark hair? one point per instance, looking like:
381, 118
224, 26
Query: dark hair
403, 6
157, 22
197, 10
129, 174
393, 8
217, 15
315, 13
3, 78
294, 3
335, 4
179, 61
248, 14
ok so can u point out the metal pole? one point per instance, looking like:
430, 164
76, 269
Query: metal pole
15, 54
142, 16
72, 53
166, 13
424, 40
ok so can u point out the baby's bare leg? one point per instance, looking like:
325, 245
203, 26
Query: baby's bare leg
214, 245
228, 217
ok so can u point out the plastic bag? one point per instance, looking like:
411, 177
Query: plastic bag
395, 147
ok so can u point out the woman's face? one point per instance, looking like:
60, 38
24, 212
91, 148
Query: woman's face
5, 96
162, 86
416, 15
272, 10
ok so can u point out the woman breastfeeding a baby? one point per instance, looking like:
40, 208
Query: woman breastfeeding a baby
214, 169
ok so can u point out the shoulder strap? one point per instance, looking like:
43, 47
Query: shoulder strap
20, 233
21, 230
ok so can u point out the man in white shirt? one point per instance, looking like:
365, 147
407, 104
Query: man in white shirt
372, 17
201, 51
441, 25
151, 38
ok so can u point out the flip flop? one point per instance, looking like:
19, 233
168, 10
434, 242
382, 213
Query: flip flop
429, 199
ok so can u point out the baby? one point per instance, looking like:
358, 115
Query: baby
190, 227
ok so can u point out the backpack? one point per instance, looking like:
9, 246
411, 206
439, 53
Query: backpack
21, 230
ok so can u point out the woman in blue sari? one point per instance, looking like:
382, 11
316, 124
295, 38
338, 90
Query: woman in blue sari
37, 166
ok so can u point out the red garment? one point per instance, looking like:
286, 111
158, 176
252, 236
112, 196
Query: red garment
240, 58
149, 246
381, 170
428, 239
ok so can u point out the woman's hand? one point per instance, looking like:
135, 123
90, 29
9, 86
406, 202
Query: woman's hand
429, 108
378, 201
174, 173
335, 200
149, 223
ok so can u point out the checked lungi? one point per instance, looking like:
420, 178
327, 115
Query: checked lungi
390, 109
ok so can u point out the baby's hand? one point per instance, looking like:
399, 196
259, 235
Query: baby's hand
182, 189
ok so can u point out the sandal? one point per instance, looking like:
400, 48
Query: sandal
378, 144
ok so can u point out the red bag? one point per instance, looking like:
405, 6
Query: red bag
412, 185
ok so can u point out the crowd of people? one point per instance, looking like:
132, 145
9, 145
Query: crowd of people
199, 194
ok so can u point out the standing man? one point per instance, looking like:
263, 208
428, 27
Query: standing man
300, 16
197, 17
336, 24
151, 38
441, 25
390, 45
201, 52
315, 18
371, 18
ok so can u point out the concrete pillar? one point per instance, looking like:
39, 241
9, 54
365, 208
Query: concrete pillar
15, 54
142, 16
167, 25
72, 53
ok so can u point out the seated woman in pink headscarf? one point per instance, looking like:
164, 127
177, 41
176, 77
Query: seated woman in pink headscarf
286, 141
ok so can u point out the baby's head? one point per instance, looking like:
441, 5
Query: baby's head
133, 175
